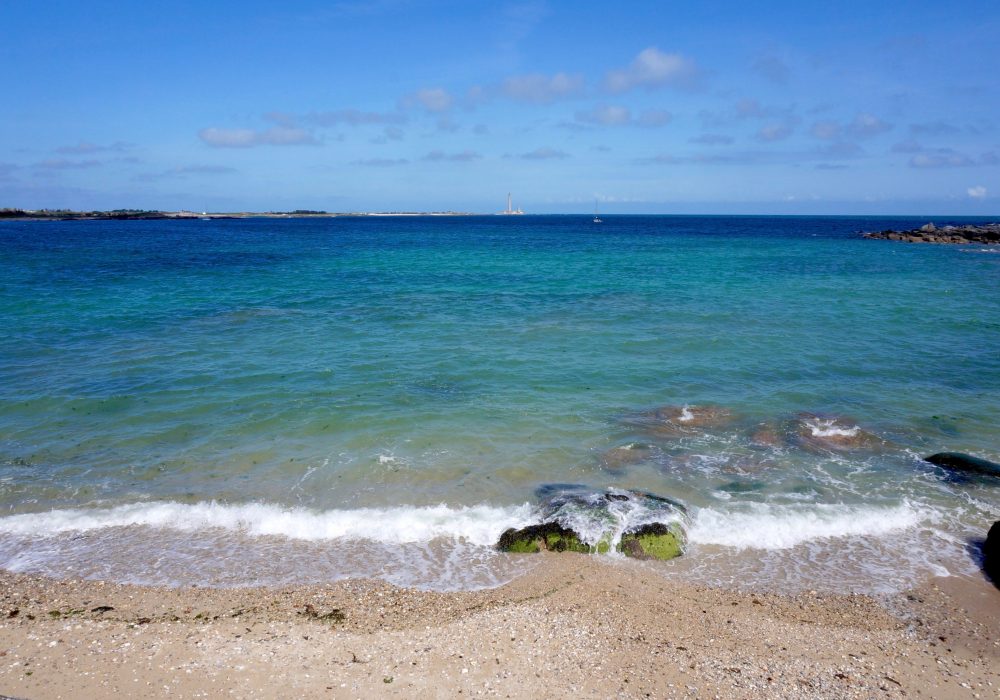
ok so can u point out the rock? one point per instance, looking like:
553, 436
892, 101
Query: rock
618, 458
653, 541
991, 553
550, 536
929, 233
677, 421
577, 519
964, 464
766, 435
833, 433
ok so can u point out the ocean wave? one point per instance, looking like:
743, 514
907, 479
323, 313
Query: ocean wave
773, 526
480, 525
821, 427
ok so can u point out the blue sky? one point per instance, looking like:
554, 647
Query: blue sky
659, 107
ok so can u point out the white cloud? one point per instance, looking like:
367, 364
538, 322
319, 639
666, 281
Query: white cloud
654, 118
977, 192
654, 68
85, 147
352, 117
772, 68
826, 130
460, 157
605, 115
616, 115
542, 89
545, 153
66, 164
248, 138
712, 139
432, 99
865, 125
774, 132
380, 162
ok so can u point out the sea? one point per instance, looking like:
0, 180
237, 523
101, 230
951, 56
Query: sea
269, 401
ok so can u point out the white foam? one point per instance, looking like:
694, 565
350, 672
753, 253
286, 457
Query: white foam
772, 526
829, 428
686, 415
479, 525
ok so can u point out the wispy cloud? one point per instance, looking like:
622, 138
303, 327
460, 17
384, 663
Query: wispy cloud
712, 140
605, 115
248, 138
835, 151
542, 89
772, 68
950, 158
380, 162
617, 115
184, 171
977, 192
435, 99
66, 164
86, 148
653, 68
460, 157
352, 117
545, 153
866, 125
774, 132
745, 109
937, 128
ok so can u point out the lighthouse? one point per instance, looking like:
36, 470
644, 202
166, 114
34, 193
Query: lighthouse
510, 209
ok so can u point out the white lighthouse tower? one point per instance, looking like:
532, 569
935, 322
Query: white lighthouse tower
510, 209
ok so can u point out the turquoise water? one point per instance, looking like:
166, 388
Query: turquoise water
331, 383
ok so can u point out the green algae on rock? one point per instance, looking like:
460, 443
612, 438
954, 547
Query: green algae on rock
551, 537
653, 541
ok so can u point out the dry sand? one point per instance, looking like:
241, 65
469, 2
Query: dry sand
575, 626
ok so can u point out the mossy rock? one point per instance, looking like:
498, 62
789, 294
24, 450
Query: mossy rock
653, 541
551, 537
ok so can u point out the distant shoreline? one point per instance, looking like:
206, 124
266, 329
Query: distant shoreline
152, 215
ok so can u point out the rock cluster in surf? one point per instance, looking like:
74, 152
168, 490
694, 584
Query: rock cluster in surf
929, 233
575, 519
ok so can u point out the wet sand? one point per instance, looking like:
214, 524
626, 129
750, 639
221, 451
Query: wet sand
574, 626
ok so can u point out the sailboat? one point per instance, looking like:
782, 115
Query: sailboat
597, 219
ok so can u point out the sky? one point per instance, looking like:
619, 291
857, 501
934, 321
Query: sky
391, 105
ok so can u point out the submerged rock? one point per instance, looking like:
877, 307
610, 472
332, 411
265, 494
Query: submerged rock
964, 464
991, 553
677, 421
653, 541
834, 433
618, 458
577, 519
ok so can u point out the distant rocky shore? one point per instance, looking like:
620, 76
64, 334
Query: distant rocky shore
929, 233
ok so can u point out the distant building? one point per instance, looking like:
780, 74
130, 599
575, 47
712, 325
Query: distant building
509, 209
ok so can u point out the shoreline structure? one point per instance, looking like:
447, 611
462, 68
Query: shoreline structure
573, 626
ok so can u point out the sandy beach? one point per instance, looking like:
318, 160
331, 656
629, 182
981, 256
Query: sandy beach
574, 626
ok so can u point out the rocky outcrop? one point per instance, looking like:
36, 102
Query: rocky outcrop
577, 519
991, 553
964, 464
653, 541
551, 537
929, 233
